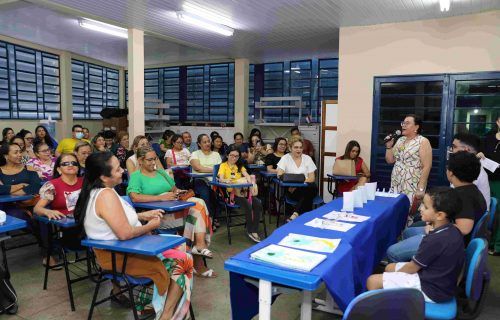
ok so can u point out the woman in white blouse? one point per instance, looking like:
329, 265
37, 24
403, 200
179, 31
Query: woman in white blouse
299, 163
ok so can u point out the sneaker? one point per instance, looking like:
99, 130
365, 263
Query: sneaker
254, 237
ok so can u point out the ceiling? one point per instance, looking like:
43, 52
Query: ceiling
266, 30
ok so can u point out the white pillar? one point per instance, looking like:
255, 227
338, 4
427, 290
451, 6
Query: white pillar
241, 86
135, 82
64, 126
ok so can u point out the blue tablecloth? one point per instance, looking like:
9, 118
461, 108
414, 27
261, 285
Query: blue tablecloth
345, 271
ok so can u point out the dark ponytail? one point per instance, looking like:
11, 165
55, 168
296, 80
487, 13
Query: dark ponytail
96, 165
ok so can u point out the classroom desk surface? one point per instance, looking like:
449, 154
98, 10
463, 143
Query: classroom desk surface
173, 168
256, 166
11, 224
338, 177
67, 222
147, 245
290, 184
195, 175
10, 198
230, 185
169, 206
268, 174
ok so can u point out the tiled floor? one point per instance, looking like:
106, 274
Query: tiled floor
210, 296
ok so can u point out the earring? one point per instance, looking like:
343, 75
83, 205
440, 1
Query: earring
415, 131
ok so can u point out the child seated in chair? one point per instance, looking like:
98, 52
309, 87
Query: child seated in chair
435, 268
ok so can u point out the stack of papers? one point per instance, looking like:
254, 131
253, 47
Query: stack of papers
288, 258
301, 241
344, 216
386, 194
330, 225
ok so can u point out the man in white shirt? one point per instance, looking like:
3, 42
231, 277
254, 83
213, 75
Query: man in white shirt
470, 143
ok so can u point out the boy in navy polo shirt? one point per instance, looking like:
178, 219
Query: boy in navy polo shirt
435, 268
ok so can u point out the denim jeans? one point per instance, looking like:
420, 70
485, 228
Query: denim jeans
404, 250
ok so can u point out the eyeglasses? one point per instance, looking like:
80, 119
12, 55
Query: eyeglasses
404, 124
30, 139
178, 142
234, 156
151, 159
44, 151
69, 164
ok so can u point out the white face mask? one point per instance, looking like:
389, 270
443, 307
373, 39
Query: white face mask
79, 135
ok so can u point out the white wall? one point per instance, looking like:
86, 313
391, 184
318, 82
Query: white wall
468, 43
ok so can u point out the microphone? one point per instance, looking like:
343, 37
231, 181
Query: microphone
391, 136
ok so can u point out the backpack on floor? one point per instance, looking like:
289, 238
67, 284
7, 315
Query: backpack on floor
8, 296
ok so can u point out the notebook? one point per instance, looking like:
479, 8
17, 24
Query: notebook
288, 258
301, 241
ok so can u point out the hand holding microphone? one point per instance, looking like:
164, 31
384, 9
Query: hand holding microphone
389, 140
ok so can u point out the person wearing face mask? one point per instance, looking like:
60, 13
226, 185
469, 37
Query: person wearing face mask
67, 145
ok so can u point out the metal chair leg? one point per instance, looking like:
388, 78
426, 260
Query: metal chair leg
191, 311
68, 280
228, 224
94, 298
131, 296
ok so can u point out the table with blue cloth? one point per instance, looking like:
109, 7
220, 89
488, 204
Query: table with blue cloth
344, 272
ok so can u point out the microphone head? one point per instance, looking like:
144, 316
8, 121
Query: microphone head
397, 132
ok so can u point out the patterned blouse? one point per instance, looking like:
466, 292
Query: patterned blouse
45, 171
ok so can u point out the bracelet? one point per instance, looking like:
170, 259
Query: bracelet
387, 148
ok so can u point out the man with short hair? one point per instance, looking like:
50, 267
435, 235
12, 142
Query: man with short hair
188, 142
238, 142
470, 143
462, 169
307, 146
67, 145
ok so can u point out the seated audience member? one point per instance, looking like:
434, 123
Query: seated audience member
166, 140
255, 132
86, 134
61, 194
214, 134
299, 163
257, 152
106, 216
67, 145
132, 164
179, 156
280, 148
203, 161
463, 168
352, 152
148, 184
109, 140
7, 135
28, 139
82, 150
188, 142
43, 163
219, 146
470, 143
16, 179
238, 141
230, 172
20, 142
308, 146
42, 135
121, 151
99, 143
436, 266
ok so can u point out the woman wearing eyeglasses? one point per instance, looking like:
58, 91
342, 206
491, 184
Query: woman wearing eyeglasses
150, 184
60, 193
43, 163
412, 159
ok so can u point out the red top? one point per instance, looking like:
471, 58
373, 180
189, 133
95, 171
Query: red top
64, 195
347, 185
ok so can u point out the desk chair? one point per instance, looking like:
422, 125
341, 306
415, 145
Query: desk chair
401, 304
480, 229
222, 198
333, 182
476, 284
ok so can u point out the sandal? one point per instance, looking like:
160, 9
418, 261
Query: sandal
55, 266
292, 217
120, 299
209, 273
204, 252
255, 238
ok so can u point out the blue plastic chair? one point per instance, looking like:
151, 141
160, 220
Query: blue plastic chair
493, 209
401, 304
481, 227
476, 284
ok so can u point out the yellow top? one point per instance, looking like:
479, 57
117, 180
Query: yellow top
68, 145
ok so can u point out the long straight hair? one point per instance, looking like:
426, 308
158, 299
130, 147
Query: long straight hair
57, 164
97, 165
48, 139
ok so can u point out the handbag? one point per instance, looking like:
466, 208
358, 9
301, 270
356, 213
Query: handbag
344, 167
293, 177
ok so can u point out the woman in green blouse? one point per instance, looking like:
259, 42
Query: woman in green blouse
148, 184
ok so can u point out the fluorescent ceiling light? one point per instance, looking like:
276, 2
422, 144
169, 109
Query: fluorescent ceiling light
207, 14
444, 5
103, 27
200, 22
